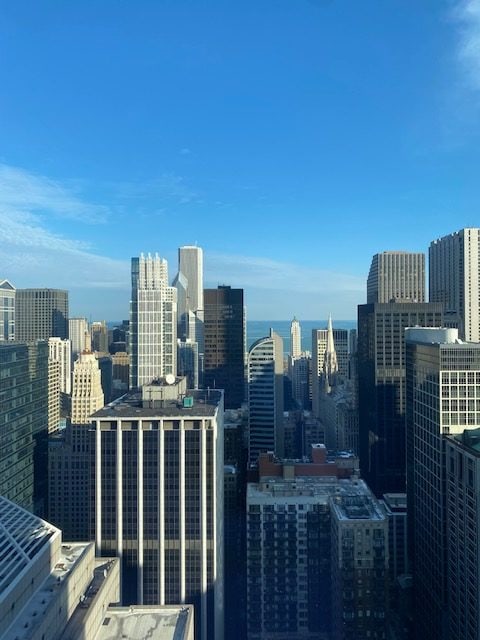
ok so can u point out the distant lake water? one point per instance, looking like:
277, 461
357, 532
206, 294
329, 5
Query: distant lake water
257, 329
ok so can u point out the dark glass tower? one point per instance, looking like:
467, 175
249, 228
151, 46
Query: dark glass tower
225, 343
381, 388
23, 424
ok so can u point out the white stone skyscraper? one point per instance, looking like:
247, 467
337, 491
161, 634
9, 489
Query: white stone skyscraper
330, 361
153, 321
61, 351
87, 392
454, 280
77, 330
295, 339
396, 276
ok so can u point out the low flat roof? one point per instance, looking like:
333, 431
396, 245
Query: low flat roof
153, 622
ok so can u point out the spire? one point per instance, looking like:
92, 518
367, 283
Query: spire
330, 362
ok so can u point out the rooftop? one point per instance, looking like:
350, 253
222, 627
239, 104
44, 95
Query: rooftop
153, 622
205, 403
23, 537
350, 499
469, 438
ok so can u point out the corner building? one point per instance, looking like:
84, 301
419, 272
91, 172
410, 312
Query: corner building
159, 497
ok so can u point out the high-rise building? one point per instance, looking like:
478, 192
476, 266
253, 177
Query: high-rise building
24, 423
7, 311
70, 451
454, 280
319, 349
120, 373
99, 336
395, 506
396, 276
224, 365
300, 374
190, 265
188, 362
316, 549
77, 331
153, 321
443, 384
359, 565
41, 314
87, 392
159, 497
54, 401
61, 351
265, 396
295, 339
463, 533
381, 388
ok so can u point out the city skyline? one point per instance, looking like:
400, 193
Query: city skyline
301, 138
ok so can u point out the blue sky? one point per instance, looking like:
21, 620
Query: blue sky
291, 139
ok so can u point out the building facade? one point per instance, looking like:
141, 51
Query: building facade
396, 276
153, 321
381, 388
265, 396
443, 382
24, 423
224, 364
319, 349
41, 314
77, 332
159, 497
454, 280
307, 536
61, 351
295, 339
463, 534
7, 311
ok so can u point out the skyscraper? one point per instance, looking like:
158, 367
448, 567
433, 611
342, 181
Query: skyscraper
7, 311
295, 339
70, 454
381, 388
61, 351
153, 321
224, 366
463, 534
190, 264
87, 392
159, 497
443, 384
454, 279
24, 421
99, 336
41, 314
396, 276
265, 396
319, 349
77, 331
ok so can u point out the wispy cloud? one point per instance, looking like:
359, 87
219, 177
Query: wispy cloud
30, 193
467, 16
33, 255
264, 273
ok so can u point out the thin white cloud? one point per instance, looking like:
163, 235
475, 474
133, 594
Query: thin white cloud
30, 193
33, 255
467, 15
264, 273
